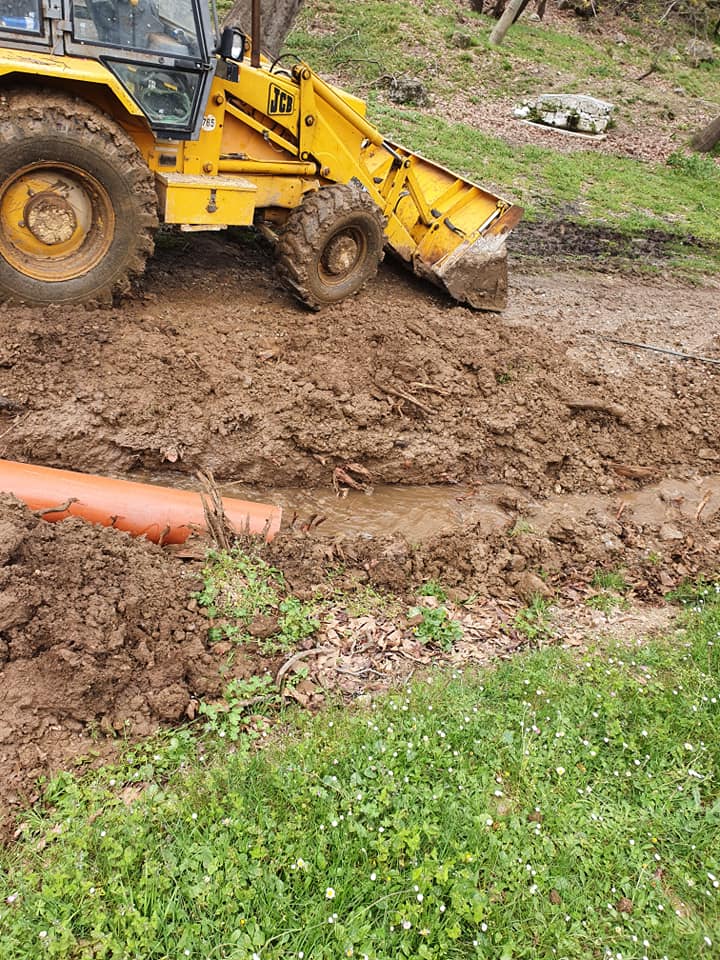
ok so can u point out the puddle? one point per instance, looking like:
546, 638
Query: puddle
421, 512
418, 512
651, 507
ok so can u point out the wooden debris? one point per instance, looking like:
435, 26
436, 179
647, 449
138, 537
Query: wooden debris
342, 478
631, 472
218, 526
600, 406
61, 508
703, 503
397, 392
280, 677
431, 388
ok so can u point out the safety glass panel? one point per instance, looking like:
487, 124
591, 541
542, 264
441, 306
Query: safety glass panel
24, 16
166, 97
166, 27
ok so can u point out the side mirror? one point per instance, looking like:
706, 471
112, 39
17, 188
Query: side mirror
232, 44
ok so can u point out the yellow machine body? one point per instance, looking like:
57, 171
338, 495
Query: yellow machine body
270, 137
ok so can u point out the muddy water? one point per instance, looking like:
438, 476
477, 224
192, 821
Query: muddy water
420, 512
654, 507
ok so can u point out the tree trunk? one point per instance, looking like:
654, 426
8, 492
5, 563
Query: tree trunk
278, 17
706, 139
512, 10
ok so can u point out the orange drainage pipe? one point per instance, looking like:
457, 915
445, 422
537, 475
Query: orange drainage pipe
162, 514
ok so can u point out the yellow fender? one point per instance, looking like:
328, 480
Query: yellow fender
23, 63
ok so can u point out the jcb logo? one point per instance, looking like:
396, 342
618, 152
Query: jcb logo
280, 102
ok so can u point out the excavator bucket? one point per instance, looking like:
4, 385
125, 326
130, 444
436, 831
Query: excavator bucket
447, 229
475, 272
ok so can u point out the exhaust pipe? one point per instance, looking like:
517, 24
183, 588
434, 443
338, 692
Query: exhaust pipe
161, 514
255, 34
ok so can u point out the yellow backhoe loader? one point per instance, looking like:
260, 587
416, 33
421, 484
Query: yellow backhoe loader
116, 115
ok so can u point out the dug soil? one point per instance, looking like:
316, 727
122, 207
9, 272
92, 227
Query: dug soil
600, 455
99, 639
218, 369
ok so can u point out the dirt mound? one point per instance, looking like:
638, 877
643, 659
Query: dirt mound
97, 638
215, 368
219, 370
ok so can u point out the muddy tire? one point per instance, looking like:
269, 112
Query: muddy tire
331, 245
78, 208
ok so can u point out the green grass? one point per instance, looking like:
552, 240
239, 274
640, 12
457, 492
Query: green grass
391, 37
610, 580
613, 191
612, 587
228, 718
433, 588
237, 587
435, 626
363, 40
607, 602
534, 622
559, 806
366, 38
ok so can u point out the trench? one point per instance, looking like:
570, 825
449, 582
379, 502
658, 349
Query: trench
424, 511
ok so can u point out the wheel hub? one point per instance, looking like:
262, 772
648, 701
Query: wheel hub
340, 255
56, 221
50, 218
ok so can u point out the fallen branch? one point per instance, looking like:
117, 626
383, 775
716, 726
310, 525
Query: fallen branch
653, 68
59, 509
342, 476
631, 472
394, 392
218, 526
409, 656
14, 424
431, 388
296, 658
703, 503
351, 36
668, 11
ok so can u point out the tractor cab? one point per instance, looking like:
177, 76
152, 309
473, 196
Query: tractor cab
159, 50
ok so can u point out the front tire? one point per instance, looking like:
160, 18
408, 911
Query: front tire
78, 208
331, 245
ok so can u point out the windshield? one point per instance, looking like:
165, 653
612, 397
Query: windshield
21, 15
163, 26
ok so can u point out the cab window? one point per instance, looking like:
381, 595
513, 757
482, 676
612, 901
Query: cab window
158, 26
24, 16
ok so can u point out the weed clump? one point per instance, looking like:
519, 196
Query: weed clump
239, 588
435, 626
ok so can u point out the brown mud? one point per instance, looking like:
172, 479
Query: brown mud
99, 638
557, 452
658, 536
217, 369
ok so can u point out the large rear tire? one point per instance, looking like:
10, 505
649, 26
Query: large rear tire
331, 245
78, 208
